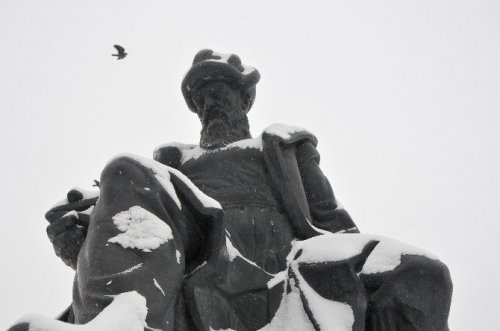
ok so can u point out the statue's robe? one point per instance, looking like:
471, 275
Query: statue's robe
269, 188
279, 252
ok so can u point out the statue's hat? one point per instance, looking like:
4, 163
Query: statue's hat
212, 66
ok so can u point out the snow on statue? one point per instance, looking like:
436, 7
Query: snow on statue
237, 233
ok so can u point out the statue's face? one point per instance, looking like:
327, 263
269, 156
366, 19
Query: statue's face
215, 101
221, 110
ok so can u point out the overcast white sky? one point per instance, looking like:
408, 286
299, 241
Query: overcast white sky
403, 96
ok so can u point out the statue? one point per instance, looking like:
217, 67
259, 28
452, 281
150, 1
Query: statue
236, 233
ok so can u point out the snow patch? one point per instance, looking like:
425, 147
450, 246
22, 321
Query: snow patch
158, 286
348, 230
233, 252
141, 229
337, 247
137, 266
198, 267
127, 312
282, 130
387, 255
278, 278
224, 57
329, 314
72, 212
88, 211
328, 248
178, 256
291, 315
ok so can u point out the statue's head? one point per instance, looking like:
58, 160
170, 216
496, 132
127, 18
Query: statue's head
221, 91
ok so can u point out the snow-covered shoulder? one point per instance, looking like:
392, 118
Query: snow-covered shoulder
285, 131
175, 144
162, 174
193, 152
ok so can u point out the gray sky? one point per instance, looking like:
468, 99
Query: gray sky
403, 96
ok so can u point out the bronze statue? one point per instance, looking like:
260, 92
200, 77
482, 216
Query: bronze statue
238, 232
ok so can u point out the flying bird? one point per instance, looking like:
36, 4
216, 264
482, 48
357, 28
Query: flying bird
121, 52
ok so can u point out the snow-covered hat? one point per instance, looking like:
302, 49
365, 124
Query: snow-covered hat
209, 65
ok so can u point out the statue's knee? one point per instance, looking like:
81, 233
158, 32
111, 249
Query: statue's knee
426, 274
123, 168
441, 274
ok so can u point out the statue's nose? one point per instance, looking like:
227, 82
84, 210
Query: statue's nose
210, 101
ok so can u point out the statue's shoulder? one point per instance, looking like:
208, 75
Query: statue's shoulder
172, 154
288, 134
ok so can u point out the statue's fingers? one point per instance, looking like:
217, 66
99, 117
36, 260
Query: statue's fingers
84, 219
67, 238
63, 224
70, 252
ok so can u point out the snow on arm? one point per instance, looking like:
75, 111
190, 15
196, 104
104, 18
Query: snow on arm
141, 229
87, 194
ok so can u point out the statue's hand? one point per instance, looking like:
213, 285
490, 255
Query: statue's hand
69, 222
67, 235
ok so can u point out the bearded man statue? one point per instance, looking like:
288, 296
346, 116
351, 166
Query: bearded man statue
235, 233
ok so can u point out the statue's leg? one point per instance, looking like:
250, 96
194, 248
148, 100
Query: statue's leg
407, 290
132, 244
367, 282
324, 271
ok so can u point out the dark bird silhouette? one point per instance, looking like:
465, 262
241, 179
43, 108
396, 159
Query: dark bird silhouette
121, 52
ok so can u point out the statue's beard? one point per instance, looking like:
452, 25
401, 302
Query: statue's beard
220, 128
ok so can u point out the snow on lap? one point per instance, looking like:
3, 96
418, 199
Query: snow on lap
337, 247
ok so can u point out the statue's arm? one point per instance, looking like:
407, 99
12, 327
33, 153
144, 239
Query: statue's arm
325, 210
